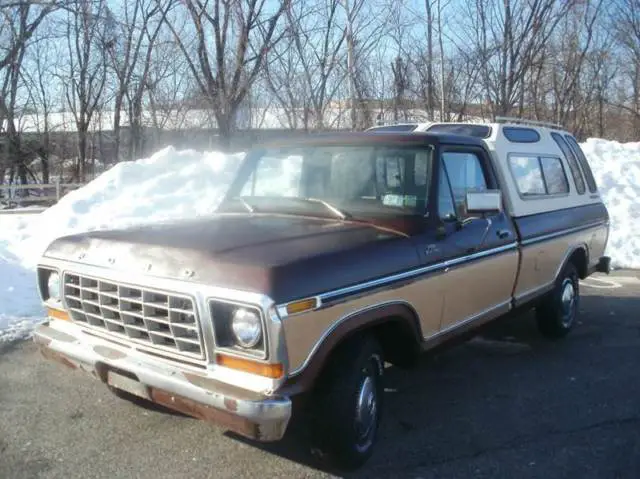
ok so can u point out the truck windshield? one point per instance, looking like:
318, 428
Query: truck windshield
337, 181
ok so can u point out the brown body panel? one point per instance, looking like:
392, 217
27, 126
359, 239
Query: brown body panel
268, 254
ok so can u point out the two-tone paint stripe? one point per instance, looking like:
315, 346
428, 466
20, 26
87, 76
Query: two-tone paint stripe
564, 232
359, 288
337, 294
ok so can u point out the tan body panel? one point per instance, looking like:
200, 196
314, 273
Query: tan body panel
542, 261
460, 293
424, 294
475, 288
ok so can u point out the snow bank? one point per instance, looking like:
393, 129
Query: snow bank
170, 184
616, 167
176, 184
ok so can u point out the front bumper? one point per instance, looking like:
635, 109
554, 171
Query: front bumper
245, 412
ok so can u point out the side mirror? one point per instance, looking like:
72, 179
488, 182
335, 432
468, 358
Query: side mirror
483, 201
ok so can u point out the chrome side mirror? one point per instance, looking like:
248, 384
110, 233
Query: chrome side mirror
489, 201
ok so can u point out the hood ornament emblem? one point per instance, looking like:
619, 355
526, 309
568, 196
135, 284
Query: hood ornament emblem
148, 267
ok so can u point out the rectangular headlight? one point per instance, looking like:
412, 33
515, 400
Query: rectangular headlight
239, 328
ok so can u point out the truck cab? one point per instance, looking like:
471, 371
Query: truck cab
329, 257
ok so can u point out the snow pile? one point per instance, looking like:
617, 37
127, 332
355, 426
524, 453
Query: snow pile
177, 184
170, 184
616, 167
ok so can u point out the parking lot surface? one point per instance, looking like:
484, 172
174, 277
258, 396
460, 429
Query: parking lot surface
507, 404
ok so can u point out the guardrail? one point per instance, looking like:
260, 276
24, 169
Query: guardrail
54, 191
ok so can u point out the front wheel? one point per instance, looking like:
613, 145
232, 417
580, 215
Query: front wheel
557, 314
347, 404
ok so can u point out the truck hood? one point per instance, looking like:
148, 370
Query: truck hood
279, 255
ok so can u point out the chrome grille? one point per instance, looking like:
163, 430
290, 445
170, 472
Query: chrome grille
157, 319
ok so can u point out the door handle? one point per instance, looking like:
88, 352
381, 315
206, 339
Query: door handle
502, 234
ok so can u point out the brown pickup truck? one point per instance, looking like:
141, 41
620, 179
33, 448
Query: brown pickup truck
369, 249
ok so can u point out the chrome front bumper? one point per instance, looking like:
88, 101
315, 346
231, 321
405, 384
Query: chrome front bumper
186, 390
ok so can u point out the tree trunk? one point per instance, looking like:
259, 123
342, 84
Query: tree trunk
116, 126
430, 82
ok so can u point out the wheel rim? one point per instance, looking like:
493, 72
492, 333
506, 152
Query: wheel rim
366, 412
568, 302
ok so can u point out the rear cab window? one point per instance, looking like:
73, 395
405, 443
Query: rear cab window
516, 134
591, 182
573, 162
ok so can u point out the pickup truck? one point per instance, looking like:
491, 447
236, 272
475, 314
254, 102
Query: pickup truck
329, 258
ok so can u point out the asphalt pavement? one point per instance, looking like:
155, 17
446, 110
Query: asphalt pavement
508, 404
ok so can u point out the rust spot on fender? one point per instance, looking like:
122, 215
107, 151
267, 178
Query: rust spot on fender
231, 404
109, 353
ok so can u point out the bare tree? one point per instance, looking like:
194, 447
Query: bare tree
316, 39
129, 54
38, 76
232, 39
567, 60
86, 75
626, 18
509, 39
19, 21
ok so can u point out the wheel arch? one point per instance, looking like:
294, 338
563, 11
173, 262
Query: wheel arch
394, 324
578, 255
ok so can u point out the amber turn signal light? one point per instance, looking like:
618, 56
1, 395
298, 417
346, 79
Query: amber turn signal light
302, 305
273, 371
57, 314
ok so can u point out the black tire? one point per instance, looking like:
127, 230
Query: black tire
352, 379
558, 312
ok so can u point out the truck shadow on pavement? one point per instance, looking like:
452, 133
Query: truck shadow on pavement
507, 388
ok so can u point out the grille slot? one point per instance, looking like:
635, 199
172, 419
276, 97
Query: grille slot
157, 319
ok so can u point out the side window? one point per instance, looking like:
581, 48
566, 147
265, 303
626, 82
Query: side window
528, 175
573, 162
517, 134
537, 176
465, 174
446, 208
554, 176
591, 182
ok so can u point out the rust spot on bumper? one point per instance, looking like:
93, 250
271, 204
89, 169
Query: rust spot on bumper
192, 408
56, 356
231, 404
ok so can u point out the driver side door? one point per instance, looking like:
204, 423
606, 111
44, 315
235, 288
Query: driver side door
480, 250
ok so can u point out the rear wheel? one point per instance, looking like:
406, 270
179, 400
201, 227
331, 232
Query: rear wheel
347, 404
557, 314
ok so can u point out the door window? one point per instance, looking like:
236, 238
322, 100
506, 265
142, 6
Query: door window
464, 172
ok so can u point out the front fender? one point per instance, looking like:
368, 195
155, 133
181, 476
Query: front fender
399, 313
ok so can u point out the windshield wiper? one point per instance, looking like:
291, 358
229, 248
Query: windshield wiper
343, 215
250, 208
335, 210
